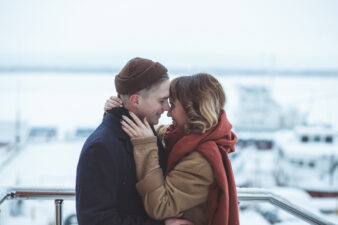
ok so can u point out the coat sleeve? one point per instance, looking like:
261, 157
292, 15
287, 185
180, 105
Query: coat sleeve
184, 187
96, 190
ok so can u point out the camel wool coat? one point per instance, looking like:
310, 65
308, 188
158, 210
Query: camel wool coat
184, 189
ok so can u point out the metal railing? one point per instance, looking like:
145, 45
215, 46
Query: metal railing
244, 195
263, 195
58, 195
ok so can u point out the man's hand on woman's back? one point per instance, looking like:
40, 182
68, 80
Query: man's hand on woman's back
177, 221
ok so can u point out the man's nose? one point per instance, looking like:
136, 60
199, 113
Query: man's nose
166, 106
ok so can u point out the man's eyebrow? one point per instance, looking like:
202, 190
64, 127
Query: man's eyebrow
165, 98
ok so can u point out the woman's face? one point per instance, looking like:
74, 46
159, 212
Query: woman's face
177, 113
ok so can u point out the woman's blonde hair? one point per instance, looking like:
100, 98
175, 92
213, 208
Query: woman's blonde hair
202, 98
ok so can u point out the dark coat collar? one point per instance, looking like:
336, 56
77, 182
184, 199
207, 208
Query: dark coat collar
113, 120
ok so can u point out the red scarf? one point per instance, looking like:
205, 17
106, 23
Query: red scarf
215, 144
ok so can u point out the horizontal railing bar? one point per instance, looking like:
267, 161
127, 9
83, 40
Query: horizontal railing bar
262, 195
243, 194
47, 194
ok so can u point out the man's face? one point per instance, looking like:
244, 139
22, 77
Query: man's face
153, 105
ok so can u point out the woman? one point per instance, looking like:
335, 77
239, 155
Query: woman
199, 180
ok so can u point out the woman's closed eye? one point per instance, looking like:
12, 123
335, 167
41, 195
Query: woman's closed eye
172, 105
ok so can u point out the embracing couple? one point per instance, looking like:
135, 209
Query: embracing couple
131, 172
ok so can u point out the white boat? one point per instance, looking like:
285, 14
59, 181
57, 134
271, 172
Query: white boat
308, 159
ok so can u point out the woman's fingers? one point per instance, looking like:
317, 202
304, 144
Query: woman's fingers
128, 129
136, 119
112, 102
130, 122
115, 99
108, 106
146, 123
137, 128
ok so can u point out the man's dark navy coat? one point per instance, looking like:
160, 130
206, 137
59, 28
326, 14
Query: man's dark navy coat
106, 177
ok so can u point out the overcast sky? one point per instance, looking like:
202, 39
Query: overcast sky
234, 34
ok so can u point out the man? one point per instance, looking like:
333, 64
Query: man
106, 175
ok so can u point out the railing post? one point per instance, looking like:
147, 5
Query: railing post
58, 211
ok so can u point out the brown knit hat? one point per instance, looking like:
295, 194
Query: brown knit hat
138, 74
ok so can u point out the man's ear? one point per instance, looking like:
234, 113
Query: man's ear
134, 100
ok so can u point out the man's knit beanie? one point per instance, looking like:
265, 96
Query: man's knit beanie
138, 74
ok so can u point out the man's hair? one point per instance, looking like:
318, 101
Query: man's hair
146, 91
202, 98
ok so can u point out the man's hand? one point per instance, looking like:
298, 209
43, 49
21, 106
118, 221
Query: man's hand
177, 221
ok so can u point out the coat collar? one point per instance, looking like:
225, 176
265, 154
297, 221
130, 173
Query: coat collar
113, 120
